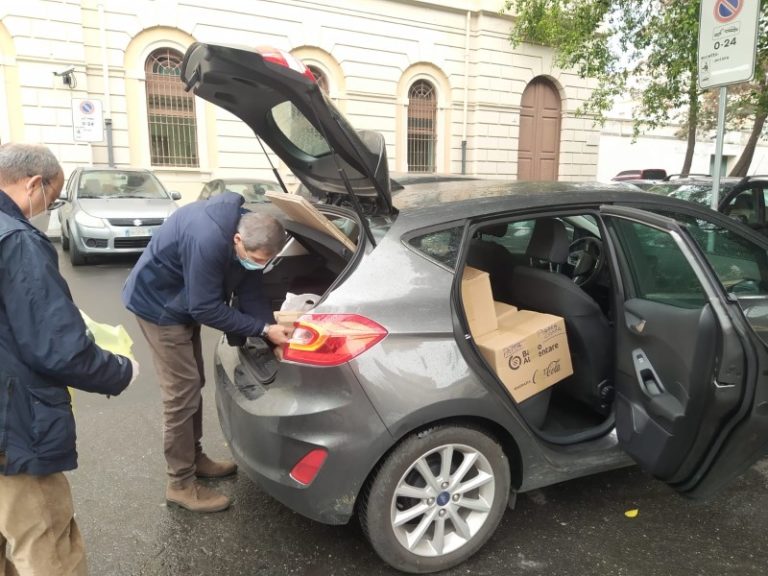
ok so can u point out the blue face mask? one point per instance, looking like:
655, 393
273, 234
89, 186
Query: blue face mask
250, 264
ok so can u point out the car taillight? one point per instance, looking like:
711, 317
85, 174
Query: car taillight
286, 59
307, 468
331, 339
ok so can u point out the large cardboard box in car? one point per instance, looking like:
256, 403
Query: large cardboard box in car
529, 352
478, 301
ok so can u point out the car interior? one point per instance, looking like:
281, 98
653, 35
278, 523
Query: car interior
557, 265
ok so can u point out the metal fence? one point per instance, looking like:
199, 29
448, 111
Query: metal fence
422, 117
170, 111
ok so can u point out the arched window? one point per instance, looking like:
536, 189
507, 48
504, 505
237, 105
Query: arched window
170, 112
322, 79
422, 136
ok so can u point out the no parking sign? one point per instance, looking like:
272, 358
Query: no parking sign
727, 41
87, 120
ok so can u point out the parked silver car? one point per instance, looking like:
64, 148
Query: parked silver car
389, 404
112, 211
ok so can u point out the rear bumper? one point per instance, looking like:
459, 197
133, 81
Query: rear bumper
271, 428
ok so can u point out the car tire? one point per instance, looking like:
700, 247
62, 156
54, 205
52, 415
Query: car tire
76, 257
403, 513
65, 238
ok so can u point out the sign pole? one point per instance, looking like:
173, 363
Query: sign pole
719, 147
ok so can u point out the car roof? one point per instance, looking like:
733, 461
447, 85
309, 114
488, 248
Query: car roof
434, 203
245, 180
112, 169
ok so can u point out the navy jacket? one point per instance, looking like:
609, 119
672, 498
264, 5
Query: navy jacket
189, 272
43, 349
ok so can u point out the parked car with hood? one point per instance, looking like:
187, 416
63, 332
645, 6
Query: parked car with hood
385, 405
111, 211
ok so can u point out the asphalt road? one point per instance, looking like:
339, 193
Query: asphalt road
577, 528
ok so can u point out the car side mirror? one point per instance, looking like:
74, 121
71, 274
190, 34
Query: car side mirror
63, 196
176, 195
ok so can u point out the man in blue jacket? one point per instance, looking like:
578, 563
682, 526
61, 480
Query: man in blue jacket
203, 255
44, 349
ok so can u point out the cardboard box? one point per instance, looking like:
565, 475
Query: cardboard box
503, 312
478, 301
529, 352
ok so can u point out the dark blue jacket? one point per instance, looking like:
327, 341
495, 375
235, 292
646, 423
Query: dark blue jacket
43, 349
189, 272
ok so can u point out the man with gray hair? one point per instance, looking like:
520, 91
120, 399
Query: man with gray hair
203, 255
44, 348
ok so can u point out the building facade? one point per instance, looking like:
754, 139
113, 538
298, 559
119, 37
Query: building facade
97, 81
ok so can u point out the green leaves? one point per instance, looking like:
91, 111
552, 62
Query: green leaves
648, 48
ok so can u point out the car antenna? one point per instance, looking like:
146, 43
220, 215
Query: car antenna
274, 170
345, 178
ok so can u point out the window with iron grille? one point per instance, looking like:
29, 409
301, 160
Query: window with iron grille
422, 120
170, 112
320, 77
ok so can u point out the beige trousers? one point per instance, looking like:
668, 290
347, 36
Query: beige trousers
178, 358
38, 526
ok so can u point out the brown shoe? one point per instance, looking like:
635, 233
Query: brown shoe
196, 497
207, 468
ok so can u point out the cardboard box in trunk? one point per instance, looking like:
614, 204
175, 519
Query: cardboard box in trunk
529, 352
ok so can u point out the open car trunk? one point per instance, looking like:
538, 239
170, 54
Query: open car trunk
320, 248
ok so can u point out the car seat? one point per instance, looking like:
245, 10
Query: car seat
490, 256
743, 209
548, 291
91, 187
135, 181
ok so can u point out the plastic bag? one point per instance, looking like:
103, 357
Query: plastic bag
299, 302
113, 339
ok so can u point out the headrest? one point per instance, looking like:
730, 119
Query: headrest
135, 180
549, 241
498, 230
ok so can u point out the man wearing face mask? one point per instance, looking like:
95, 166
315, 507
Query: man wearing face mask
203, 255
44, 349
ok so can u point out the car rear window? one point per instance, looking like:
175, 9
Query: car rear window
298, 130
442, 246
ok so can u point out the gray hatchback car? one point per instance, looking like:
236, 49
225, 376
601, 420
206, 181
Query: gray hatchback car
111, 211
384, 405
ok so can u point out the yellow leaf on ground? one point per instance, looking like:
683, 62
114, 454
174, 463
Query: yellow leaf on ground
632, 513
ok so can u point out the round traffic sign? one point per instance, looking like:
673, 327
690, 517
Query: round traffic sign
727, 10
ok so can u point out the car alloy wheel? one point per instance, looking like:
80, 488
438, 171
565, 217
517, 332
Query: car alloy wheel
436, 499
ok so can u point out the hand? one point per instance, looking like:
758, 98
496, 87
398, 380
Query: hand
135, 373
278, 334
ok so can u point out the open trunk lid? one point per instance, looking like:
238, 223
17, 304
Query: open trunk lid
277, 96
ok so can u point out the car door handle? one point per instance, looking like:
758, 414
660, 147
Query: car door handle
635, 323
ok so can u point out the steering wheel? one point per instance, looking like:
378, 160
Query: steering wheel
587, 258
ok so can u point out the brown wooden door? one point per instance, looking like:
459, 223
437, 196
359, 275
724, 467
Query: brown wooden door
538, 156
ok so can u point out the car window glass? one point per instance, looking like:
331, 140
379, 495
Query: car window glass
740, 265
656, 267
298, 130
119, 184
743, 208
442, 245
253, 192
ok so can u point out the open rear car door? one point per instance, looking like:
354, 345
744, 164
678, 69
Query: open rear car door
690, 377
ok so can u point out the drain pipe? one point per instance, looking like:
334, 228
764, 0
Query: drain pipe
466, 95
107, 93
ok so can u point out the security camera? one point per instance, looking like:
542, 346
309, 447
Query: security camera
67, 77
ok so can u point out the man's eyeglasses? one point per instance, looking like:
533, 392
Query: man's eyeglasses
56, 203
